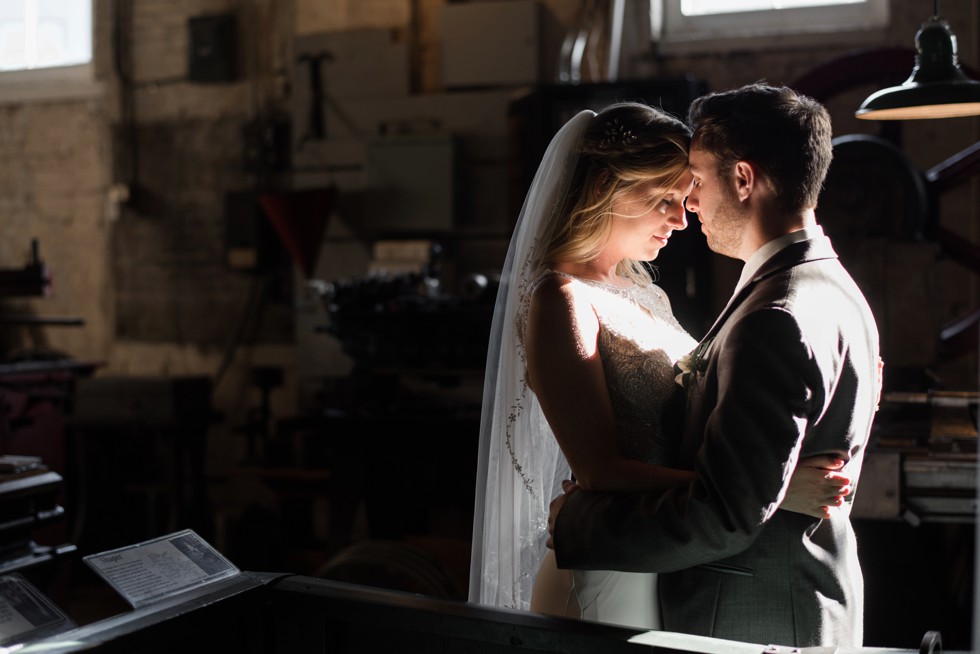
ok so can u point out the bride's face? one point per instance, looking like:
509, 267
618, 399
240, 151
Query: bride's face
640, 229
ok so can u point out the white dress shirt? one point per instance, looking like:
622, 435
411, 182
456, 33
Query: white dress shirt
763, 254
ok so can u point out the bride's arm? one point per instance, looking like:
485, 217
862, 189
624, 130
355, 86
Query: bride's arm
817, 487
565, 371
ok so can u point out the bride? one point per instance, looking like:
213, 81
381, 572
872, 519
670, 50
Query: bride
580, 373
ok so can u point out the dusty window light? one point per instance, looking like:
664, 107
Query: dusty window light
712, 25
46, 50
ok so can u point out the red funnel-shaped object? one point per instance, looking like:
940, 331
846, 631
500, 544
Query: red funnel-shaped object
300, 218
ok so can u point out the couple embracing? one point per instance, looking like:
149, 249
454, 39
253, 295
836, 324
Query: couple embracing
712, 478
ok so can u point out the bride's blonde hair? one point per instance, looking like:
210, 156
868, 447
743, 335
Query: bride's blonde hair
626, 145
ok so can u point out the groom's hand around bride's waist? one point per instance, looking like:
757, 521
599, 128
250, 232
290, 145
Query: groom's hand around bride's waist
567, 487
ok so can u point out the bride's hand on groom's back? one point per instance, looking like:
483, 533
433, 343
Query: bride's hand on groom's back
568, 487
817, 486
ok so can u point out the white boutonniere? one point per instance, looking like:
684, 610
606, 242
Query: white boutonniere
689, 366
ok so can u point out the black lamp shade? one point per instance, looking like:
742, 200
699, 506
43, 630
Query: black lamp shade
937, 87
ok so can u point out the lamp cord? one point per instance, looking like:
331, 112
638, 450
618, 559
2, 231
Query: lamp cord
935, 8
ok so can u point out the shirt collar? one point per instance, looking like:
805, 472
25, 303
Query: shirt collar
763, 254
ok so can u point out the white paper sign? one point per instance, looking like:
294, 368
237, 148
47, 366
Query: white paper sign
25, 613
159, 568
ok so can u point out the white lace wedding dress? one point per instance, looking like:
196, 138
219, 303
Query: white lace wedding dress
639, 341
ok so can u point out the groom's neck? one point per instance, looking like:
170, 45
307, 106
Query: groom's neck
761, 229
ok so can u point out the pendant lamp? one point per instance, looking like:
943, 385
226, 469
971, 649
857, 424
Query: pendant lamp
937, 87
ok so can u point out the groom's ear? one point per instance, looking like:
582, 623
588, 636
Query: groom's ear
745, 179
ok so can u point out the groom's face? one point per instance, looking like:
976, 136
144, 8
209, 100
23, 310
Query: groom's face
715, 203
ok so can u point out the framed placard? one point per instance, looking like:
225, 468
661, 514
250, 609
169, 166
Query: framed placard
156, 569
25, 613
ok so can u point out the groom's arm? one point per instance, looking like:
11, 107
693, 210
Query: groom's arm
767, 383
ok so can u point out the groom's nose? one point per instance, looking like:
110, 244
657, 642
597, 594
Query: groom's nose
690, 205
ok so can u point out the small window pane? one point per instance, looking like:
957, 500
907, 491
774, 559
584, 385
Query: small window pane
12, 47
45, 33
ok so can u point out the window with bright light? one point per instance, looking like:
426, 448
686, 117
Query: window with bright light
710, 24
37, 34
46, 51
704, 7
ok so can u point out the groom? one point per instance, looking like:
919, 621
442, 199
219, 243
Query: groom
789, 370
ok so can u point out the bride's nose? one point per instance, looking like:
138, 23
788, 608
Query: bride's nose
679, 216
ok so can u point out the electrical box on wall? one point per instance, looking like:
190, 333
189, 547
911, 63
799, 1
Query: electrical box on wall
212, 48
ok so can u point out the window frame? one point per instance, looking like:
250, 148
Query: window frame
675, 33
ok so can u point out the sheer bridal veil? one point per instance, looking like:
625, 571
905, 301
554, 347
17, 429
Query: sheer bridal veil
520, 467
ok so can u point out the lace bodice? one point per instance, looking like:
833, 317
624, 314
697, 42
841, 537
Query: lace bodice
639, 341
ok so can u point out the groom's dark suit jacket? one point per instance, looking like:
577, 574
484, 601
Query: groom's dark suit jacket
789, 371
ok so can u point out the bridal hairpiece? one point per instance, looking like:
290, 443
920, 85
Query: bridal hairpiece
617, 134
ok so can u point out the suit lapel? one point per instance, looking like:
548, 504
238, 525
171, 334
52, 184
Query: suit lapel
695, 409
792, 255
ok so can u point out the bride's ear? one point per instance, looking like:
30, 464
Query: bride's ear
601, 180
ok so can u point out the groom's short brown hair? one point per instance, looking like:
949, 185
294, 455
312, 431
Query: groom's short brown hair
786, 135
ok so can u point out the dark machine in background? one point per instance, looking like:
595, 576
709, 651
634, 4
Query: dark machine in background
410, 322
37, 388
401, 429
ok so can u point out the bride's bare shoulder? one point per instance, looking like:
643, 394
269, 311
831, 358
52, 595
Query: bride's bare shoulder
554, 292
558, 298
